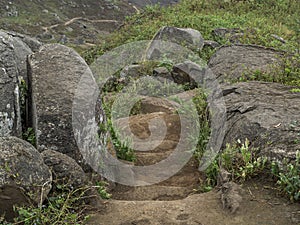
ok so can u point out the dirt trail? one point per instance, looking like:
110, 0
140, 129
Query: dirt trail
174, 200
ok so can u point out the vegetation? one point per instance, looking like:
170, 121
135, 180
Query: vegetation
65, 206
258, 19
288, 177
29, 136
243, 162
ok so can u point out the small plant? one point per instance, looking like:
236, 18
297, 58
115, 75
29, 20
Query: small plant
288, 177
241, 161
29, 136
122, 147
101, 188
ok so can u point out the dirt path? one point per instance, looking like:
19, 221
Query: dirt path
259, 207
174, 201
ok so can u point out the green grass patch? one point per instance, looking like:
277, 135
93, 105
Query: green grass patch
259, 20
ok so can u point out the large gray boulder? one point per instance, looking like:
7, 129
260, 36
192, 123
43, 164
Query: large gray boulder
268, 114
233, 62
24, 178
14, 49
55, 73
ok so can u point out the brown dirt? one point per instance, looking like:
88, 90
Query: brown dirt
260, 205
175, 201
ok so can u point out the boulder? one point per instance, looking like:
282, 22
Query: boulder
57, 73
236, 61
188, 73
24, 178
265, 113
14, 50
65, 170
211, 44
231, 34
169, 37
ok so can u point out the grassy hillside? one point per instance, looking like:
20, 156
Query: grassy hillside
260, 20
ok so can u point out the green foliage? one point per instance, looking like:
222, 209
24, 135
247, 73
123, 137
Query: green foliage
200, 101
66, 206
122, 147
288, 177
101, 188
295, 90
29, 135
241, 161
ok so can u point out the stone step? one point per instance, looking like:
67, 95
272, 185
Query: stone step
158, 126
154, 192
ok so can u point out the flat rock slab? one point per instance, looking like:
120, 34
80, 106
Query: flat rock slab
55, 72
24, 177
268, 114
232, 62
14, 49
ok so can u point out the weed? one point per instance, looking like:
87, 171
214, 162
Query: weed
29, 136
101, 188
288, 177
241, 161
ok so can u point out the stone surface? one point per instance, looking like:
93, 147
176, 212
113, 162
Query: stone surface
168, 39
233, 62
231, 34
24, 177
14, 49
55, 73
131, 72
64, 169
265, 113
188, 73
211, 44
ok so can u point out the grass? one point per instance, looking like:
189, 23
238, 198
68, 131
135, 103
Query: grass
260, 19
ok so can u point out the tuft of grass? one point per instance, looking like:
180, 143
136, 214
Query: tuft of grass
295, 90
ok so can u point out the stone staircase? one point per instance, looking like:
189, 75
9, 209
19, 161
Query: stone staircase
154, 150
